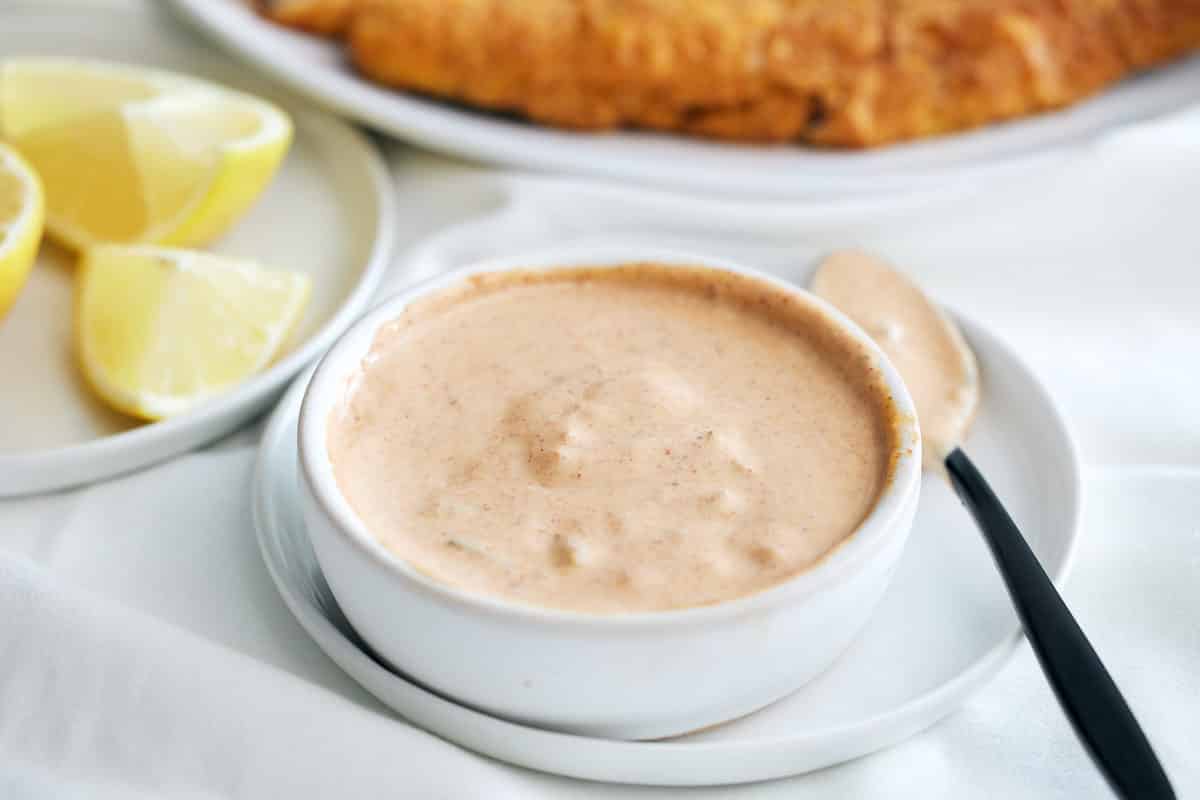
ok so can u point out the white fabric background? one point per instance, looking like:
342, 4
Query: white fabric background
144, 651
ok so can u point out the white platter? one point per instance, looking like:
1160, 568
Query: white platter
330, 213
319, 69
944, 628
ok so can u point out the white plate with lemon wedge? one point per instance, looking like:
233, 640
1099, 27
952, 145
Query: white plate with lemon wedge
205, 237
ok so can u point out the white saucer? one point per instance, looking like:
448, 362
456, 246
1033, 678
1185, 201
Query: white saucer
320, 69
944, 628
329, 212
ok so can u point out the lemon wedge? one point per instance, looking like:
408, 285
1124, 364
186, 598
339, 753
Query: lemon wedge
161, 330
21, 209
134, 155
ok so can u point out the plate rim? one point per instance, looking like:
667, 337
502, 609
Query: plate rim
64, 466
905, 720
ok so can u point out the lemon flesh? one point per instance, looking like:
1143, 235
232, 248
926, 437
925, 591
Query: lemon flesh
135, 155
21, 213
162, 330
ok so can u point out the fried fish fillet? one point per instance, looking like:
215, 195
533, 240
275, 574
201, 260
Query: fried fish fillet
845, 73
325, 17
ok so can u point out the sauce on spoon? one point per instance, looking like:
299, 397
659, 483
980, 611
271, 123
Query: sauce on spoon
922, 342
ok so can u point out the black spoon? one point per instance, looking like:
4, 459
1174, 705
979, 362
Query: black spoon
1091, 700
939, 368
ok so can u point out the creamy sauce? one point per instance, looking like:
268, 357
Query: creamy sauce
923, 344
610, 440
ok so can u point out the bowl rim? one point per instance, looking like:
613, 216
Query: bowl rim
885, 520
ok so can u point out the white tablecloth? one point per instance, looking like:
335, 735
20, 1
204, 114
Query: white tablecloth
144, 651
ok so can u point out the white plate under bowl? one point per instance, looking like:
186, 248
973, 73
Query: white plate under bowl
320, 69
943, 629
329, 213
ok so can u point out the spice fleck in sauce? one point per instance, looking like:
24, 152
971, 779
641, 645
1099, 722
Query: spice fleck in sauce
611, 440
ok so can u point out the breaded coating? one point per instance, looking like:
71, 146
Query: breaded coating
324, 17
843, 73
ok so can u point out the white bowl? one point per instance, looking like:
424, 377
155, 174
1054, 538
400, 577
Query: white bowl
627, 676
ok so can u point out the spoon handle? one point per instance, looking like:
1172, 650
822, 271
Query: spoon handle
1087, 694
